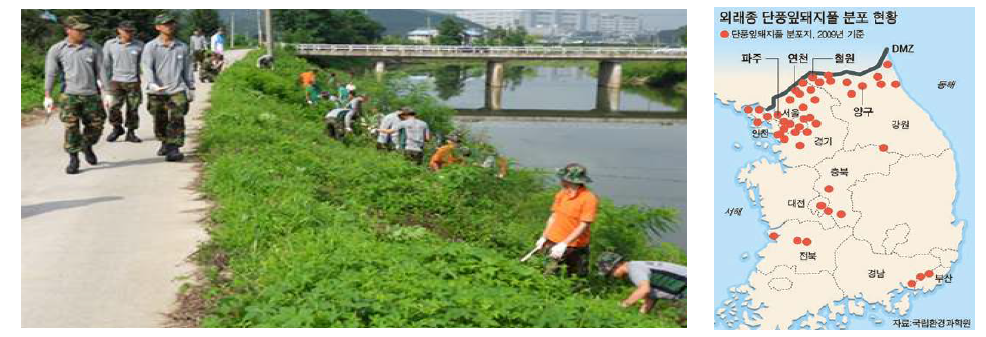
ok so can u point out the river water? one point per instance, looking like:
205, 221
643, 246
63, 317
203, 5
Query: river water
632, 140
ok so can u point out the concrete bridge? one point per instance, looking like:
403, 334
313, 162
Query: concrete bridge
610, 70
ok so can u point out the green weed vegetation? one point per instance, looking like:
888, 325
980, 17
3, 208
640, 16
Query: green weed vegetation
315, 233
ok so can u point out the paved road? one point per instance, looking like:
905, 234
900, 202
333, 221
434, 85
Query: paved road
104, 248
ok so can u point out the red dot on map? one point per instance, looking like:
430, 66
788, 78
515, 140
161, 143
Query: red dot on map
757, 121
895, 84
773, 235
806, 132
840, 214
829, 188
797, 240
820, 205
796, 132
819, 82
846, 82
830, 81
851, 93
862, 86
777, 114
910, 283
759, 109
816, 124
828, 74
884, 147
814, 99
784, 139
811, 90
881, 84
887, 64
803, 107
799, 145
789, 99
806, 241
929, 273
748, 109
724, 34
920, 276
812, 77
877, 76
766, 117
802, 82
828, 211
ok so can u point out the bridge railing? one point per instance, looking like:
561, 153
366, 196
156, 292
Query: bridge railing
490, 50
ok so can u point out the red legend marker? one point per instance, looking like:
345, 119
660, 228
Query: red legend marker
773, 236
806, 241
829, 189
724, 34
840, 214
846, 82
895, 84
884, 147
799, 145
920, 276
910, 283
887, 64
797, 240
820, 205
851, 93
862, 86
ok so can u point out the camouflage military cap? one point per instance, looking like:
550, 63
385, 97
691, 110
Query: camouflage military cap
607, 262
127, 25
163, 19
574, 173
76, 22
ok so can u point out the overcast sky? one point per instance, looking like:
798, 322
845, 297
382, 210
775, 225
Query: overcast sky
652, 18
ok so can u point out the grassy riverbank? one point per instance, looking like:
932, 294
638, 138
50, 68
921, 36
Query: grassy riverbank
309, 232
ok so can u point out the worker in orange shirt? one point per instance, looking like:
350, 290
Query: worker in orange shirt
446, 154
308, 82
566, 233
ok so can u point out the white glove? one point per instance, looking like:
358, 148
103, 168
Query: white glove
558, 250
154, 87
108, 101
99, 84
49, 104
190, 94
540, 243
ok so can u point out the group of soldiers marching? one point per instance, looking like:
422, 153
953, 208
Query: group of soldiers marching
96, 80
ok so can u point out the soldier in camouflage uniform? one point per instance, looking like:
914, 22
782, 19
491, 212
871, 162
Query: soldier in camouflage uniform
77, 61
121, 70
166, 65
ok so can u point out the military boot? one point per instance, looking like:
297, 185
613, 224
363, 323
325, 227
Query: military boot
174, 154
132, 137
90, 156
117, 132
73, 163
163, 150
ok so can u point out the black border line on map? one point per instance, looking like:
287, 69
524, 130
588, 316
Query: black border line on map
773, 99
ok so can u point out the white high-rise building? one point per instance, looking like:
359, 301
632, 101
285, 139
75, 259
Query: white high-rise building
492, 18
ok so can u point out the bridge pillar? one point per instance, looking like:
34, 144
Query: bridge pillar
494, 74
610, 74
494, 96
607, 99
380, 67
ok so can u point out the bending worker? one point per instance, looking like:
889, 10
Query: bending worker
653, 279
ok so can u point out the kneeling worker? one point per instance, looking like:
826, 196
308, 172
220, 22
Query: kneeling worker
445, 155
654, 279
